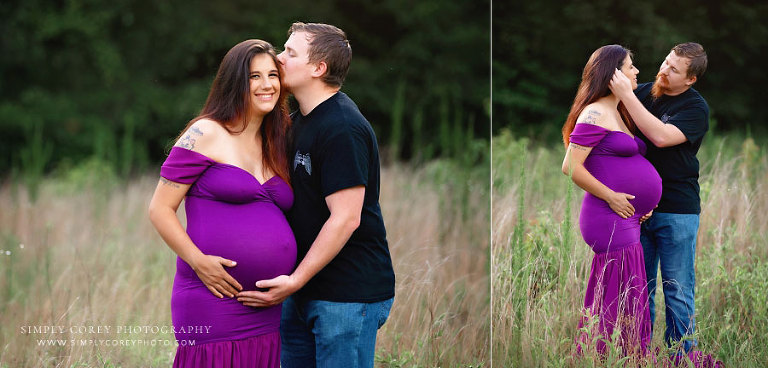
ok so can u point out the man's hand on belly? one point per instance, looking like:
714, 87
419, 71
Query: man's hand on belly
278, 289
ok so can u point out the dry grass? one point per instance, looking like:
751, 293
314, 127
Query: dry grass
85, 254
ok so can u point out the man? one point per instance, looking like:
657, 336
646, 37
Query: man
343, 285
673, 117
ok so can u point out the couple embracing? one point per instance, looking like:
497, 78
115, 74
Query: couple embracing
284, 261
635, 156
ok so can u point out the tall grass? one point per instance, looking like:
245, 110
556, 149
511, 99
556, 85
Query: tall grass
540, 263
85, 254
437, 223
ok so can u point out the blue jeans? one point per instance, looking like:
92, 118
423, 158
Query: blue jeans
669, 239
319, 333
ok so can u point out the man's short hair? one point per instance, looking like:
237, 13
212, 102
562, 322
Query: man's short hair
329, 44
696, 54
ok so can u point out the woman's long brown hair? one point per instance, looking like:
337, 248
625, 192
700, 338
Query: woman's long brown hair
228, 104
594, 85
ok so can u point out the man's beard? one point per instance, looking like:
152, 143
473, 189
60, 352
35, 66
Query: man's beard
658, 90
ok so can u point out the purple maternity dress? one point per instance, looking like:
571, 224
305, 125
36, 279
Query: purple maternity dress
616, 290
229, 214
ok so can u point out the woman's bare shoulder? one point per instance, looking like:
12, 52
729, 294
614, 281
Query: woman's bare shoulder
596, 114
201, 136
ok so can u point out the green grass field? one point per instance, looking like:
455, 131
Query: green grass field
83, 254
540, 263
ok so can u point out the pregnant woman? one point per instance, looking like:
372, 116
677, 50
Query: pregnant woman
605, 158
231, 166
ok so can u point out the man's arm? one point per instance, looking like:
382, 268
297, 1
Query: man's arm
346, 208
659, 133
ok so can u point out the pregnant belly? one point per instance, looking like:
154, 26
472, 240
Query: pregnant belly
633, 175
256, 236
601, 228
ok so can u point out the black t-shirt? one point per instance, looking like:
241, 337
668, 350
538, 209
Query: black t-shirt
334, 148
677, 165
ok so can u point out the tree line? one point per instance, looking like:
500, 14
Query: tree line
116, 80
540, 48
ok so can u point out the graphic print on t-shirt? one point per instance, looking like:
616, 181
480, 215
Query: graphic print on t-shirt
303, 160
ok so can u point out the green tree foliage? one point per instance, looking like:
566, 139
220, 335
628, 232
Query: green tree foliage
540, 48
116, 80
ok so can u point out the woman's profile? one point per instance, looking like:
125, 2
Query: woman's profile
605, 158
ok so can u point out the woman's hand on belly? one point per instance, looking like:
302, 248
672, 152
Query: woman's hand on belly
210, 270
619, 203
